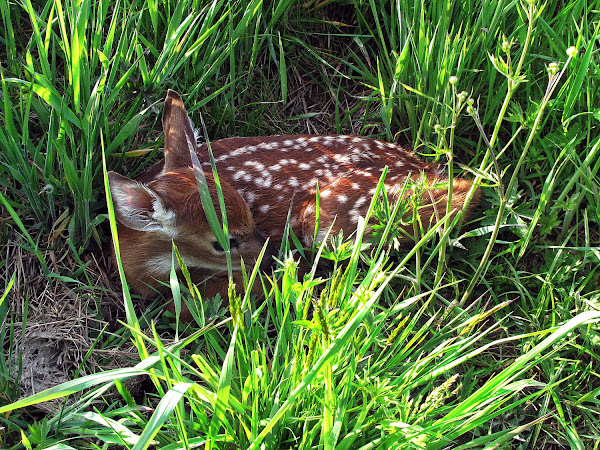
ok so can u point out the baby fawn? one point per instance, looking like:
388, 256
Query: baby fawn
262, 179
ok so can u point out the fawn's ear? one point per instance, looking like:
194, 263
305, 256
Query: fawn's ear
138, 207
179, 133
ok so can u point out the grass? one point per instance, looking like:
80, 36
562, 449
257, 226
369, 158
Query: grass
483, 337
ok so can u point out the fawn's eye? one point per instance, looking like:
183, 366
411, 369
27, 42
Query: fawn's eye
233, 243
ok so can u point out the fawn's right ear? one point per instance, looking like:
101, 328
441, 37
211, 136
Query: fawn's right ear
180, 138
138, 207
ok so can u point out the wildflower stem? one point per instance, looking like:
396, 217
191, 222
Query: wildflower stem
552, 84
512, 86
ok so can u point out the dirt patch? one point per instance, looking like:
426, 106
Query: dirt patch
55, 319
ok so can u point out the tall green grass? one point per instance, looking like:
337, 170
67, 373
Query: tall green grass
480, 338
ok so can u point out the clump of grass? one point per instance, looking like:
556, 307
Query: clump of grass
345, 375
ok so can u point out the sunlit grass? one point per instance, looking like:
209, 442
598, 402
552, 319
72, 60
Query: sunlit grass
473, 337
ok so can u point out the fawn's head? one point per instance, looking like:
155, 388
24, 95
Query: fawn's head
169, 209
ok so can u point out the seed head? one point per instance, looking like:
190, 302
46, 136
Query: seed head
553, 68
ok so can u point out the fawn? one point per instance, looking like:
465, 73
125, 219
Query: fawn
261, 179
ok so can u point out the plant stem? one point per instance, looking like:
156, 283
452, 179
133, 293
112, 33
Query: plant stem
512, 86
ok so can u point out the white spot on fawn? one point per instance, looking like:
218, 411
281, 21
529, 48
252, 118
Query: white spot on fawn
342, 198
264, 182
238, 175
361, 201
342, 159
264, 208
310, 209
257, 165
237, 152
250, 197
302, 142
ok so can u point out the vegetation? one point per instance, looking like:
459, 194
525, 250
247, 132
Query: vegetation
485, 337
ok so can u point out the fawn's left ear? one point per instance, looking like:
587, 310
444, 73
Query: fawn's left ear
179, 133
138, 207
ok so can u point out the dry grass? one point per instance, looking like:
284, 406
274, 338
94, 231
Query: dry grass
56, 321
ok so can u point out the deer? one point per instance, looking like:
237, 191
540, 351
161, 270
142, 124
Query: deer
263, 179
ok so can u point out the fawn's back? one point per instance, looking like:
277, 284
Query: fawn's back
278, 172
262, 178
